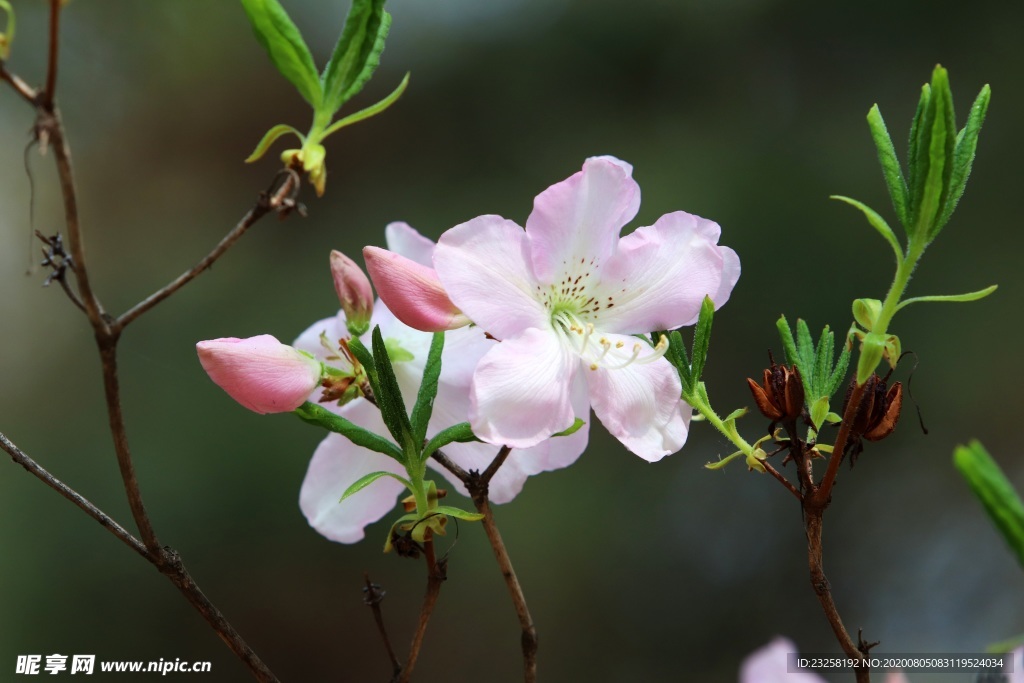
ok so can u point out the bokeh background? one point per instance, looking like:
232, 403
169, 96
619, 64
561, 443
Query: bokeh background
749, 112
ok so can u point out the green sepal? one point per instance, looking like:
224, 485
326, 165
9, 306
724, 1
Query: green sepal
368, 479
404, 522
877, 222
872, 349
890, 165
573, 428
458, 513
950, 298
866, 312
460, 433
996, 493
372, 110
270, 138
321, 417
283, 42
701, 339
356, 54
963, 157
735, 415
389, 397
424, 407
819, 411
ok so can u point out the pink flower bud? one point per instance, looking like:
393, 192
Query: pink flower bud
412, 292
354, 292
261, 373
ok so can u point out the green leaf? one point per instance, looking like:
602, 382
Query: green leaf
321, 417
788, 345
877, 222
963, 155
969, 296
995, 492
460, 433
676, 355
573, 428
457, 513
822, 363
372, 110
835, 380
935, 149
701, 339
1005, 646
912, 155
819, 410
890, 164
357, 53
365, 358
389, 397
270, 138
424, 407
283, 42
735, 415
368, 479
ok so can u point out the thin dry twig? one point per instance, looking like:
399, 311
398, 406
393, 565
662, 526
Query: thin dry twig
373, 595
436, 575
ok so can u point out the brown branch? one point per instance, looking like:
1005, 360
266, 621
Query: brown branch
373, 596
824, 491
782, 480
281, 199
164, 559
528, 638
24, 90
435, 577
51, 62
107, 522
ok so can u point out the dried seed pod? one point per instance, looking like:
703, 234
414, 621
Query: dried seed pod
780, 396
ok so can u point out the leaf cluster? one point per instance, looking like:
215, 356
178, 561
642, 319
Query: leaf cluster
821, 373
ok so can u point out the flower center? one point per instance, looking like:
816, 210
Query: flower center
597, 350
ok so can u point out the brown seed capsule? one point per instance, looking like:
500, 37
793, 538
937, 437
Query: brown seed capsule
879, 412
780, 396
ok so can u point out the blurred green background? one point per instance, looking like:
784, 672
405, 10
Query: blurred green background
749, 112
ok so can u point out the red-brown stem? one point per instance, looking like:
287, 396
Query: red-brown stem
51, 62
24, 90
824, 490
435, 577
528, 639
782, 480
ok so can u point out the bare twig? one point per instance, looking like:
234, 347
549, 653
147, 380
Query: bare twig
477, 485
51, 62
372, 597
281, 198
165, 559
824, 491
782, 480
27, 92
36, 470
435, 578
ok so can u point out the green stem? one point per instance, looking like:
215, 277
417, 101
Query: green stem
899, 285
702, 406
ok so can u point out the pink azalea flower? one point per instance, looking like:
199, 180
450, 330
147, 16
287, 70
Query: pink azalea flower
337, 463
566, 297
261, 373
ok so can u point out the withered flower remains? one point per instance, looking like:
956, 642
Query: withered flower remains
780, 396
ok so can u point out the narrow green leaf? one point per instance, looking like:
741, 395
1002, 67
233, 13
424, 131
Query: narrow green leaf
1008, 645
368, 479
701, 339
735, 415
877, 222
458, 513
389, 397
321, 417
676, 355
995, 492
372, 110
283, 42
822, 364
890, 164
938, 152
357, 53
788, 345
572, 429
916, 127
270, 138
459, 433
365, 358
963, 155
424, 407
969, 296
805, 354
835, 380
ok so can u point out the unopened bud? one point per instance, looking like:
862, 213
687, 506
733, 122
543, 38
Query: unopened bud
354, 293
